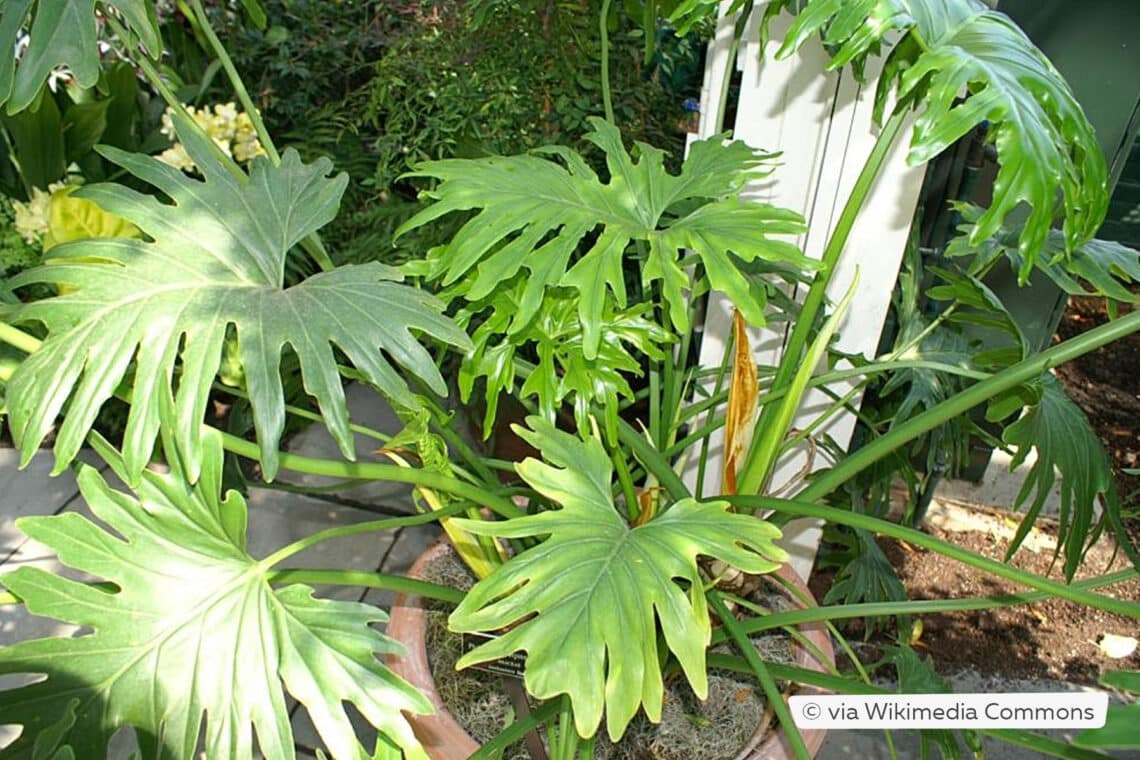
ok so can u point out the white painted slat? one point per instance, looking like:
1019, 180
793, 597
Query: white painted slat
821, 123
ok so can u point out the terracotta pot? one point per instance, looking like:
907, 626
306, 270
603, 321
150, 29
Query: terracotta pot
445, 739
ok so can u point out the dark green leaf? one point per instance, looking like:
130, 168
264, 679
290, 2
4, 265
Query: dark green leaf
1065, 442
83, 126
1045, 145
1097, 268
37, 142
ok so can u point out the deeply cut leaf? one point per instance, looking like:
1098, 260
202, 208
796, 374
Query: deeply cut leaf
194, 634
215, 262
1045, 144
535, 213
1097, 268
61, 33
585, 604
1065, 442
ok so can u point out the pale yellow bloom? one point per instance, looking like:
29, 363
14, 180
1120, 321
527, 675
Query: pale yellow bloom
230, 129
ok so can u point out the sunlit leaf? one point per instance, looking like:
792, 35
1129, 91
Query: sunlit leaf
590, 602
214, 262
194, 644
536, 214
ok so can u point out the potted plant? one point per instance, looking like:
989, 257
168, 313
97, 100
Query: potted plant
561, 286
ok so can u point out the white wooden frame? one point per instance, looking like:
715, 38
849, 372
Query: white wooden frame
821, 121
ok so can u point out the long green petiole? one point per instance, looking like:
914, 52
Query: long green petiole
372, 526
755, 466
915, 606
962, 402
1073, 593
762, 672
382, 581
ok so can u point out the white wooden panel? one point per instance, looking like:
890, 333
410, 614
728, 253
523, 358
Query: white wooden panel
821, 124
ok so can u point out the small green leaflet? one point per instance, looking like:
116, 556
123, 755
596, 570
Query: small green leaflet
61, 33
535, 213
585, 603
194, 634
215, 262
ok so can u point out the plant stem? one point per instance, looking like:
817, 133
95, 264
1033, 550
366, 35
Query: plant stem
517, 730
343, 531
1073, 593
397, 583
236, 81
1011, 377
312, 243
652, 460
376, 471
730, 62
156, 81
916, 607
17, 338
760, 669
754, 467
604, 29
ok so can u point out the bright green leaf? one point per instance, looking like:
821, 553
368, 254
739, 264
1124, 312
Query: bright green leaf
1045, 144
535, 213
585, 603
61, 33
216, 258
195, 634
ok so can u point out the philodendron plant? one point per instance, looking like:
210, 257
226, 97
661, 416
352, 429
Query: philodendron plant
569, 281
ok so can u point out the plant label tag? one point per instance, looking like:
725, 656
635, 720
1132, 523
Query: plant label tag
511, 666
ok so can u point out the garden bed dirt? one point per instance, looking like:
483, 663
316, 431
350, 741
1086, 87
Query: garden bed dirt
1053, 639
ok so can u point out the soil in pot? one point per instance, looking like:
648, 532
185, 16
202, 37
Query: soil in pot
732, 719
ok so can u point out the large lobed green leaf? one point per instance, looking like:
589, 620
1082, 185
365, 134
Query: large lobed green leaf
585, 603
61, 33
194, 633
535, 213
214, 263
1045, 144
